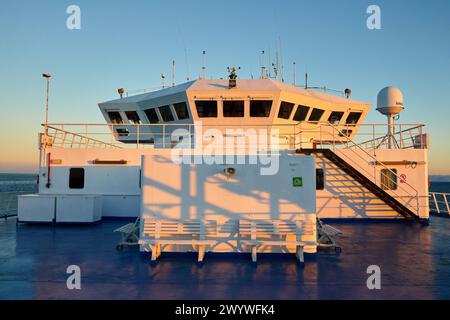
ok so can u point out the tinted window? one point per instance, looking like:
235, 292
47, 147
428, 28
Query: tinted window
123, 132
151, 115
320, 181
353, 117
206, 108
133, 117
166, 113
285, 110
181, 110
389, 179
233, 108
335, 117
260, 108
316, 114
76, 178
301, 113
115, 117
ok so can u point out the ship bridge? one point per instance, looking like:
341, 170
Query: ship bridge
298, 114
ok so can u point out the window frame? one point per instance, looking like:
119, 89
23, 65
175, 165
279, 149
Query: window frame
359, 113
149, 110
387, 182
317, 110
320, 182
303, 107
256, 113
75, 185
213, 114
233, 102
111, 119
186, 110
127, 114
289, 113
165, 111
338, 119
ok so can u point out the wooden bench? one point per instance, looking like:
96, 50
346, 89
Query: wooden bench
274, 228
158, 232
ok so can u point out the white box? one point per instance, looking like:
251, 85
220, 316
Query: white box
78, 208
36, 208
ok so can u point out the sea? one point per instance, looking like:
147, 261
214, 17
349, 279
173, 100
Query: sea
13, 184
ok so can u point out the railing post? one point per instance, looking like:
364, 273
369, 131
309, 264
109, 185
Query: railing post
138, 132
401, 136
164, 136
436, 204
446, 202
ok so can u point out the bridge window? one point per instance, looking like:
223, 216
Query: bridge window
353, 118
320, 179
133, 117
335, 117
316, 114
301, 113
115, 117
206, 108
151, 115
285, 110
260, 108
233, 108
166, 113
76, 178
389, 179
181, 110
123, 132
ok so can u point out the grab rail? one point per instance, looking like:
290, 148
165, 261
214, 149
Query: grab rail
440, 202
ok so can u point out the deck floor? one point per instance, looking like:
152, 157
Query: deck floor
414, 262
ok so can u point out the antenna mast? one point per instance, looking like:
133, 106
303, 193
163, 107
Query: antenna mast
281, 59
262, 64
293, 75
173, 73
203, 73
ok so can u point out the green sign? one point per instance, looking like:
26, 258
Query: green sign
297, 181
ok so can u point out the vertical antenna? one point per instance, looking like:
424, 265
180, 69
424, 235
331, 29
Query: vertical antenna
203, 73
173, 73
187, 63
281, 59
276, 66
293, 73
268, 64
262, 64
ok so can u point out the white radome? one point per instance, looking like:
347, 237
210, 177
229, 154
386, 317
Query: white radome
390, 101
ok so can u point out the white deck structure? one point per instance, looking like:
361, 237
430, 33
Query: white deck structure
293, 154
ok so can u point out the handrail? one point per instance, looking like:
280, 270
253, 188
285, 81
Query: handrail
381, 164
383, 138
79, 136
434, 196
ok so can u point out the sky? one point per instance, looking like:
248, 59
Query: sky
129, 43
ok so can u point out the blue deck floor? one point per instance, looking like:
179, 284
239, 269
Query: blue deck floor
414, 261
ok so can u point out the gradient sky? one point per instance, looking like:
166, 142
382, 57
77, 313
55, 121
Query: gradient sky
129, 43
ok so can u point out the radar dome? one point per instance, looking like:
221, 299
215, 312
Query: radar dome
390, 101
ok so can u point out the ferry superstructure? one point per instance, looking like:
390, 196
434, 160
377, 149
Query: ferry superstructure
233, 151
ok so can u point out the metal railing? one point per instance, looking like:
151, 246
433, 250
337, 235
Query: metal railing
365, 136
439, 203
